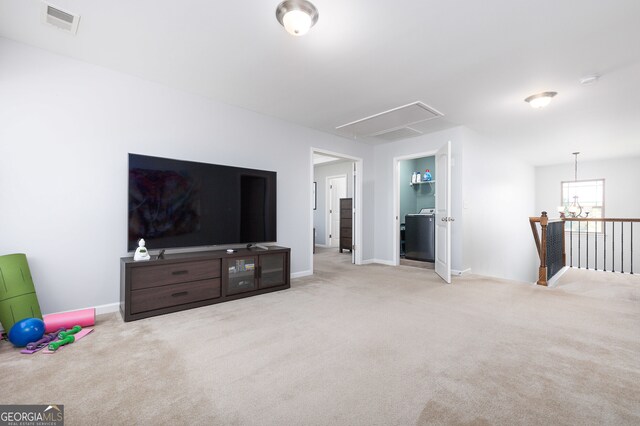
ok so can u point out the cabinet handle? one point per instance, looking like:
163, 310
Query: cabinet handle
180, 293
179, 272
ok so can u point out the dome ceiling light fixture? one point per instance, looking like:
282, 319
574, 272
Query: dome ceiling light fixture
297, 16
589, 80
540, 100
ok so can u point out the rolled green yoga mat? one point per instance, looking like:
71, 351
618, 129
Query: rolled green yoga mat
18, 298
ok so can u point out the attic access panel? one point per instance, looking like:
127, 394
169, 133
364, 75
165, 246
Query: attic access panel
387, 121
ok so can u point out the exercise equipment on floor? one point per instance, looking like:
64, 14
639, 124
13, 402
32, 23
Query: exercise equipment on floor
25, 331
18, 298
83, 318
64, 338
34, 347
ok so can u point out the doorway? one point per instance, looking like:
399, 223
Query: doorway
336, 216
417, 211
431, 198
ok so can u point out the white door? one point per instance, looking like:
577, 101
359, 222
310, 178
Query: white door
337, 190
353, 216
443, 211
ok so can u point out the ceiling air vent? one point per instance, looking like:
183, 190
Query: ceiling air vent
59, 18
391, 120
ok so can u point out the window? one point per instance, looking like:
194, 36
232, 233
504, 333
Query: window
589, 194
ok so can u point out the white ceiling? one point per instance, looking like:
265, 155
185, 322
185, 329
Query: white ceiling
475, 61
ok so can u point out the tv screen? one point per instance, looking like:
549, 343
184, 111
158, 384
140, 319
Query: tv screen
175, 203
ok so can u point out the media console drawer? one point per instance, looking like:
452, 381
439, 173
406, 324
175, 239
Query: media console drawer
159, 275
174, 294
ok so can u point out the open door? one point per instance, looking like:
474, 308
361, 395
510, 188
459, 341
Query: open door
353, 217
443, 209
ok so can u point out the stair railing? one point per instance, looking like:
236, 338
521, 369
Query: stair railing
550, 245
594, 243
599, 244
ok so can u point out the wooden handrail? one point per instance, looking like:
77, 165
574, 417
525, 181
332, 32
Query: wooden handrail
598, 219
536, 238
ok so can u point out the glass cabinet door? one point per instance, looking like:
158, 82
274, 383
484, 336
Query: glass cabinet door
272, 270
240, 274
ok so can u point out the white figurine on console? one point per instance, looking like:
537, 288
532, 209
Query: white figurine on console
141, 252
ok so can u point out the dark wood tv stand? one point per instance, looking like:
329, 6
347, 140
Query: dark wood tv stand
189, 280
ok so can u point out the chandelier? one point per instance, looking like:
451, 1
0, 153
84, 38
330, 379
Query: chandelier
574, 209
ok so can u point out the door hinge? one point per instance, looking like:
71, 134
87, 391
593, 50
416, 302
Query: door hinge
330, 236
353, 247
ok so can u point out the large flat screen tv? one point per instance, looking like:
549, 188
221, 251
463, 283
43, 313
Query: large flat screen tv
175, 203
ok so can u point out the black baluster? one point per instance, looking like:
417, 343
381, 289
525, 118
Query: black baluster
587, 245
579, 244
613, 246
622, 247
571, 244
596, 234
604, 226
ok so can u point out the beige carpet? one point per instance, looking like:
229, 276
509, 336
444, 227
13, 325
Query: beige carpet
353, 345
600, 284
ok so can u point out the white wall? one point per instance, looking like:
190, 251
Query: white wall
65, 130
498, 201
384, 203
621, 177
492, 199
321, 172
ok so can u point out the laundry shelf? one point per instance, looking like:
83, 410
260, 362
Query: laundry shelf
421, 182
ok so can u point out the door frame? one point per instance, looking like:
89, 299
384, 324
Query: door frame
327, 225
357, 193
395, 222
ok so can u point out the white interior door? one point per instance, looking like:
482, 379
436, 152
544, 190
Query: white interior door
353, 215
337, 190
443, 210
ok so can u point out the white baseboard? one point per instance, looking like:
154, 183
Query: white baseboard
108, 308
301, 274
554, 280
463, 272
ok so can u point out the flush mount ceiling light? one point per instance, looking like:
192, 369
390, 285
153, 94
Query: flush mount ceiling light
540, 100
589, 80
297, 16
